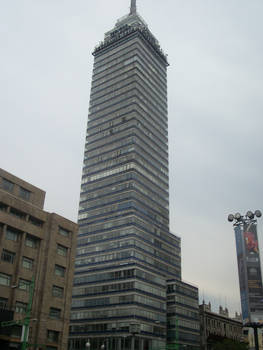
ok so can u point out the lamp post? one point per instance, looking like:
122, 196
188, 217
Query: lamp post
248, 258
26, 322
87, 345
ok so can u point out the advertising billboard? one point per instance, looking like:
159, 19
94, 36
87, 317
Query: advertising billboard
241, 262
249, 270
254, 276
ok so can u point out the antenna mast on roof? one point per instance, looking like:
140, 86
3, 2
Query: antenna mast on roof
133, 7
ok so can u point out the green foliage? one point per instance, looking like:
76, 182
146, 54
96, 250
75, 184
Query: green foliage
228, 344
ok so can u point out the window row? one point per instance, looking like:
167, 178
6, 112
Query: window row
103, 258
169, 238
129, 166
116, 142
173, 321
132, 102
152, 233
147, 163
105, 236
135, 83
120, 244
103, 327
8, 256
9, 186
120, 153
120, 299
135, 95
5, 280
183, 311
121, 116
105, 288
30, 241
186, 301
110, 191
151, 207
133, 42
123, 80
156, 80
134, 207
123, 147
133, 125
124, 52
117, 287
104, 79
118, 312
172, 288
115, 275
122, 274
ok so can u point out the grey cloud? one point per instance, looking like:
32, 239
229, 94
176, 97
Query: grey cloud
215, 112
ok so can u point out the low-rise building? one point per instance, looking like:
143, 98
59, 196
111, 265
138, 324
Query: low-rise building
218, 326
37, 251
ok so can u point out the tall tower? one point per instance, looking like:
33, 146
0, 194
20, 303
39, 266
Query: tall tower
125, 250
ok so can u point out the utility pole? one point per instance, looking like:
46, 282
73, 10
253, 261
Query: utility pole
26, 321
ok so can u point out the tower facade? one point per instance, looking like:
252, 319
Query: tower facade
125, 250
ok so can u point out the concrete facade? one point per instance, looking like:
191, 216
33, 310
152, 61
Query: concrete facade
35, 244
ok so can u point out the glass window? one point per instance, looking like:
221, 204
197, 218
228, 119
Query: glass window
57, 291
54, 313
8, 185
8, 256
61, 250
60, 270
31, 241
52, 336
11, 234
62, 231
23, 193
3, 303
20, 307
24, 284
27, 263
5, 280
3, 206
35, 221
18, 213
16, 332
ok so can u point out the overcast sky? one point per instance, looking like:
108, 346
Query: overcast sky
215, 82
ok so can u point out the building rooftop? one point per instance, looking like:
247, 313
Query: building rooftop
23, 190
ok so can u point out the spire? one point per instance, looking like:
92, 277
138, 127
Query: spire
133, 7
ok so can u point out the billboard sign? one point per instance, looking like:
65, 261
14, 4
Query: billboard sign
241, 262
254, 277
249, 269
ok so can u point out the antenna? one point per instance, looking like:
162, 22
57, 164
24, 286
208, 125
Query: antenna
133, 7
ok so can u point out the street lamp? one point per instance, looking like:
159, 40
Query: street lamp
240, 219
248, 258
87, 345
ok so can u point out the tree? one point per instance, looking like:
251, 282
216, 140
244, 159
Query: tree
228, 344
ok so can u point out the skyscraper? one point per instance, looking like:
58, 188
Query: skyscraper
125, 250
